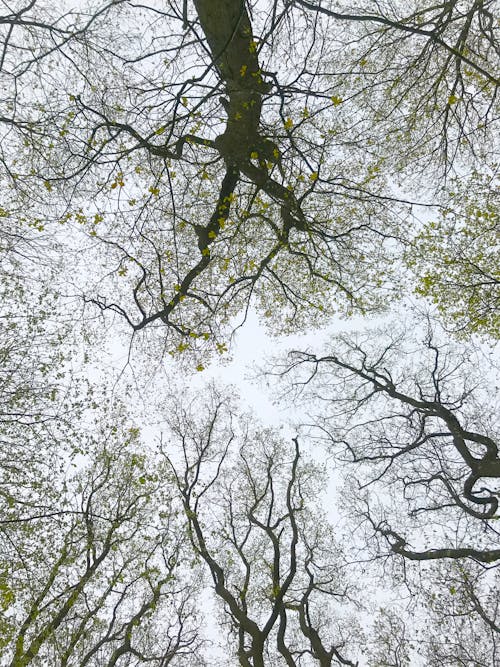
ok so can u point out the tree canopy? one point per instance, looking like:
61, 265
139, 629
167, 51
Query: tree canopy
167, 169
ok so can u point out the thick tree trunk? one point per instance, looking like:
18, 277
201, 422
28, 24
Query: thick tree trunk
228, 30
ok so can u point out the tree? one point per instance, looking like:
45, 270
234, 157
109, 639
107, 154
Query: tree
38, 395
391, 647
204, 191
455, 258
416, 420
167, 168
90, 566
110, 561
273, 559
434, 65
92, 573
468, 593
295, 591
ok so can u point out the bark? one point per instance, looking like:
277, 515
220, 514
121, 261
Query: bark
229, 34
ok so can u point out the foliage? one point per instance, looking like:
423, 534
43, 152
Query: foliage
456, 258
165, 169
468, 591
266, 177
92, 559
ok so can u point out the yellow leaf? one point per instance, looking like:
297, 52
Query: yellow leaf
200, 367
288, 124
336, 100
